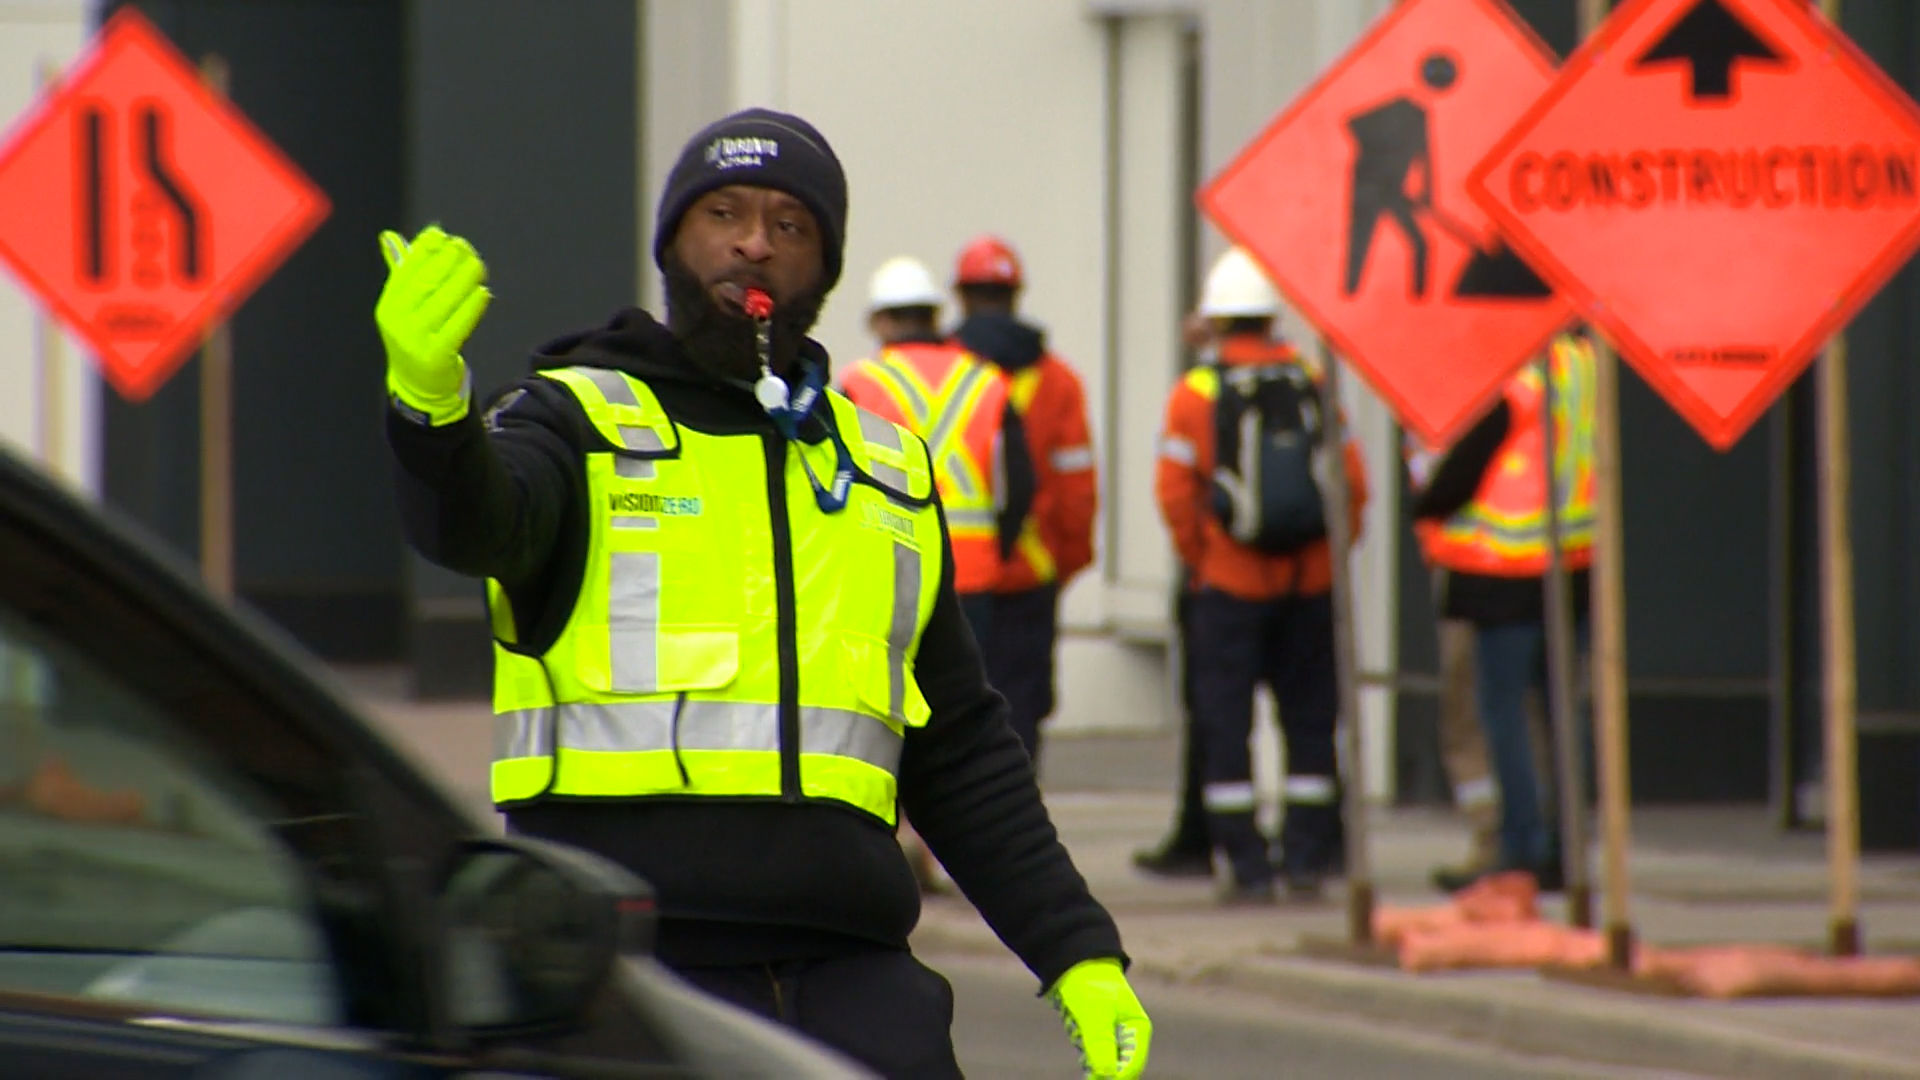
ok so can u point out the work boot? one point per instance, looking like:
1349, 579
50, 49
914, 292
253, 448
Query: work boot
1257, 894
1239, 839
1312, 843
1549, 874
1175, 859
1482, 856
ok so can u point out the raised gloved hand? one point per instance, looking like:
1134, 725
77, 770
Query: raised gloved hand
1104, 1019
434, 297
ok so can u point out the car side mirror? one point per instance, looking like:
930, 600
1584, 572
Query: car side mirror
533, 929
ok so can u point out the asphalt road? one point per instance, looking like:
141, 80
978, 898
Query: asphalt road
1004, 1032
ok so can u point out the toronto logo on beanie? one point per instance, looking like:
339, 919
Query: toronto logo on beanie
735, 152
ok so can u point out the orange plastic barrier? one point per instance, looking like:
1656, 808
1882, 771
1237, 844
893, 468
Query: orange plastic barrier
1498, 898
1740, 971
1502, 945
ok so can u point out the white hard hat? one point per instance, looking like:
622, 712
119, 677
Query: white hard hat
1237, 288
902, 281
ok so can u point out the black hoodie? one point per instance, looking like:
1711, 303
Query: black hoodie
1003, 339
502, 494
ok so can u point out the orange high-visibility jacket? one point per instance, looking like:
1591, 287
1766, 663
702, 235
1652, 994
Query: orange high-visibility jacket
1503, 531
1057, 541
955, 402
1183, 484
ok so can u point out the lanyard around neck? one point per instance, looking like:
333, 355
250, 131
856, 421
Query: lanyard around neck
789, 416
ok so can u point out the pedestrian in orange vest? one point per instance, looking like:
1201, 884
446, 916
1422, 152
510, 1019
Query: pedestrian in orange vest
1057, 540
959, 404
1239, 485
1480, 514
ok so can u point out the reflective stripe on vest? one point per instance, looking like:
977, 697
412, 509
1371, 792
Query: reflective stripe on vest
667, 679
1503, 531
672, 726
944, 417
959, 419
1022, 386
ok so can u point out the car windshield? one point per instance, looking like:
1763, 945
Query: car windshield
131, 867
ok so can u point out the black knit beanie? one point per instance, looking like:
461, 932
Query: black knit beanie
760, 148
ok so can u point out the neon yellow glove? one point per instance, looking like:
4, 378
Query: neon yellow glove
434, 297
1104, 1019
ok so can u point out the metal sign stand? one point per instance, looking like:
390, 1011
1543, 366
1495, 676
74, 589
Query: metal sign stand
1339, 541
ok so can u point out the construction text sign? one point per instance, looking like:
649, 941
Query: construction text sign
1355, 201
1719, 185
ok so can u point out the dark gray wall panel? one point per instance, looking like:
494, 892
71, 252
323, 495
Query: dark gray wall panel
317, 542
522, 138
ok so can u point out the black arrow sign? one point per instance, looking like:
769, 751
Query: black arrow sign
1711, 39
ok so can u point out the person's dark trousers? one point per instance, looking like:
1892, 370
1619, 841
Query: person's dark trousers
1019, 658
1190, 827
1185, 852
885, 1010
1288, 645
1511, 659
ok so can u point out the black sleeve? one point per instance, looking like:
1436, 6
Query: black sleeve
1458, 475
493, 496
1020, 477
969, 790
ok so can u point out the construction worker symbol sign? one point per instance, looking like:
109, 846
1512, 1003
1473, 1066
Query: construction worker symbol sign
1355, 202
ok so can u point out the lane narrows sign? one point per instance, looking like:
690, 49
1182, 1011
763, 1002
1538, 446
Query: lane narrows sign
1719, 185
142, 208
1355, 202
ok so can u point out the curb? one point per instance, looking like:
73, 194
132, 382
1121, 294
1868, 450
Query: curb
1558, 1020
1566, 1021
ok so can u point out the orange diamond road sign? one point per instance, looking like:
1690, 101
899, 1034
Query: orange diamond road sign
1355, 201
1719, 185
142, 208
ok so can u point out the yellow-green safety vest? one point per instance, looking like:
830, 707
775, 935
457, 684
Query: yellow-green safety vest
667, 680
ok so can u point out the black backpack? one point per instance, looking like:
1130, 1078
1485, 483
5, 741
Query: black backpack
1268, 437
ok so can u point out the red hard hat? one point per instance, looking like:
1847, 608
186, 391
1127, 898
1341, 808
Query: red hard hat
988, 261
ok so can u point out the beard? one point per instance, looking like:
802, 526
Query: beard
723, 344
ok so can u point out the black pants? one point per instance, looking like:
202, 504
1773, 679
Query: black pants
1190, 827
1286, 644
1020, 658
885, 1010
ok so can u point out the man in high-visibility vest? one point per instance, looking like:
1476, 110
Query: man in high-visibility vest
958, 403
727, 649
1481, 518
1057, 540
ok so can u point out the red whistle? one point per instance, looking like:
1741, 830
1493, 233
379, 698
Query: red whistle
758, 304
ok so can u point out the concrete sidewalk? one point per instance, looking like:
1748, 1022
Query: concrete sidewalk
1690, 888
1700, 875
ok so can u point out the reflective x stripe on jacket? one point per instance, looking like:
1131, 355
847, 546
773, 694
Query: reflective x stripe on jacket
955, 402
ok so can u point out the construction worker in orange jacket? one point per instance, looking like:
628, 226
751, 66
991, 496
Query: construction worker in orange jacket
959, 404
1250, 523
1480, 513
1057, 540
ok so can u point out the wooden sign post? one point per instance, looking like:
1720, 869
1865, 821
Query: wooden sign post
216, 426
